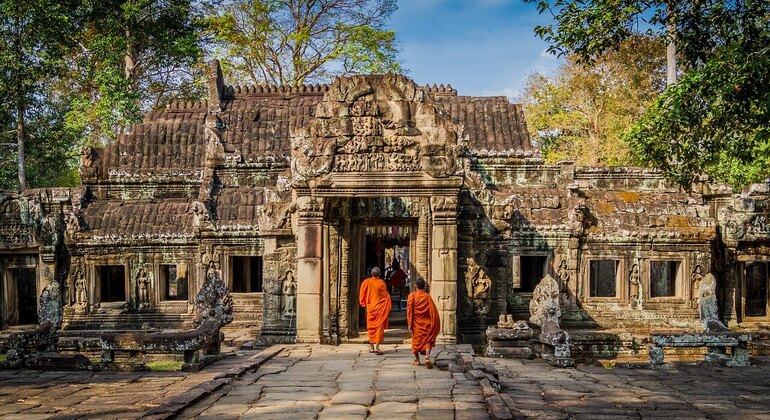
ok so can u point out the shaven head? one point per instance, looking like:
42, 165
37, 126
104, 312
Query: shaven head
420, 283
376, 272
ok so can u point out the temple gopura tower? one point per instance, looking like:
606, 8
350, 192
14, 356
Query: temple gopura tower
293, 192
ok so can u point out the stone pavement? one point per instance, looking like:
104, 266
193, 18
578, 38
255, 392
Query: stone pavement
345, 382
538, 390
30, 394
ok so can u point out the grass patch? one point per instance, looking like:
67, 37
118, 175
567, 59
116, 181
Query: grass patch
165, 365
3, 358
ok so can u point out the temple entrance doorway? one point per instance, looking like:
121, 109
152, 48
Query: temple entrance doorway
388, 246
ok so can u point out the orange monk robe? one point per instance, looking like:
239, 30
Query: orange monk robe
422, 318
375, 298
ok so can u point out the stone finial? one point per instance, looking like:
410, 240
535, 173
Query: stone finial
708, 305
213, 302
544, 305
216, 86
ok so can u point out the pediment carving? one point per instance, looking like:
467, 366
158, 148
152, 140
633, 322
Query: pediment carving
375, 124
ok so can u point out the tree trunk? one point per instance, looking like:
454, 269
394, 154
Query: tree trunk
20, 134
671, 47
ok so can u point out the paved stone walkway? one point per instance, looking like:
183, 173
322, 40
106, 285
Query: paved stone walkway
344, 382
538, 390
30, 394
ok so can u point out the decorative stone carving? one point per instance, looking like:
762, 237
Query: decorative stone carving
544, 305
50, 312
709, 314
213, 301
505, 321
696, 279
634, 286
545, 312
274, 215
143, 289
478, 285
280, 296
289, 305
510, 340
367, 124
564, 276
81, 293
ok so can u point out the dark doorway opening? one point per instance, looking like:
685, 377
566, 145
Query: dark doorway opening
112, 282
532, 271
246, 274
26, 295
387, 247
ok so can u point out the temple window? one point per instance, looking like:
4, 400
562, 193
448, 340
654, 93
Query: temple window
112, 283
603, 278
246, 274
756, 289
663, 278
529, 272
174, 281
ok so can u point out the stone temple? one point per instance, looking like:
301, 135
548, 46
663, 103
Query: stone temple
292, 193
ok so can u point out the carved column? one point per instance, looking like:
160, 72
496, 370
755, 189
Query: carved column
443, 263
309, 269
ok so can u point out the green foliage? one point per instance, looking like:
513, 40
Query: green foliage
581, 112
131, 56
715, 119
35, 35
165, 365
296, 41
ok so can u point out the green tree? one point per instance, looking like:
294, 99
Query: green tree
131, 56
716, 118
35, 36
303, 41
581, 112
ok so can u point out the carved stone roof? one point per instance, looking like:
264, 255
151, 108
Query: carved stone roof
257, 122
236, 208
490, 123
139, 219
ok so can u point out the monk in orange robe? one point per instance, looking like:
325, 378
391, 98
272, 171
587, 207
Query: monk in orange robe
423, 321
375, 298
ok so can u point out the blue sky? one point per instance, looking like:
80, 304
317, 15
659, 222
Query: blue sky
480, 47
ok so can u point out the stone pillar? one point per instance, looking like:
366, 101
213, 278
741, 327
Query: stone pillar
443, 265
309, 269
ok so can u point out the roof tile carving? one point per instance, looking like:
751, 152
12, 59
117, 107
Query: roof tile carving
139, 219
257, 121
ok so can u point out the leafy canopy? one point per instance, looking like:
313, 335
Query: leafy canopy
715, 120
581, 112
301, 41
